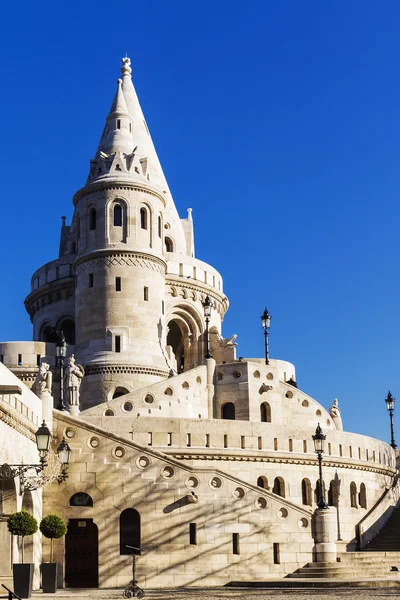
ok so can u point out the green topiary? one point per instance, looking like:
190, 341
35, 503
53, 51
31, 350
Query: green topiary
22, 524
53, 527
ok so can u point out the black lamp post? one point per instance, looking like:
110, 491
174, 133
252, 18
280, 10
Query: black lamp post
61, 352
266, 324
207, 305
319, 445
390, 406
64, 454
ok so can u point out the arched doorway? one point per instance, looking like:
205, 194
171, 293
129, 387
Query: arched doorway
82, 554
175, 339
265, 412
228, 411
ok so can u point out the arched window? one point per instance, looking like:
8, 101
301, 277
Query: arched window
228, 411
48, 334
333, 495
81, 499
362, 497
92, 219
143, 218
279, 487
169, 245
67, 326
117, 215
306, 493
262, 482
353, 495
109, 413
265, 412
129, 531
159, 227
120, 391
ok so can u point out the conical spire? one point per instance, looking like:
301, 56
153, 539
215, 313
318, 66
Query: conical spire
119, 104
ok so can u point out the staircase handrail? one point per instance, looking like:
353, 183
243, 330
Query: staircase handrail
376, 517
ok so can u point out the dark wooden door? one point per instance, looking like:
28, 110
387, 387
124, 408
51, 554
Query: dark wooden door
82, 554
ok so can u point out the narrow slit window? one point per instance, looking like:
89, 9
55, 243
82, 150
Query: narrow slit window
146, 293
207, 440
225, 441
117, 215
193, 534
92, 219
277, 558
242, 442
304, 445
290, 445
2, 358
118, 284
149, 439
340, 450
169, 439
91, 279
163, 307
143, 218
275, 443
19, 359
188, 440
235, 543
118, 123
38, 357
260, 443
159, 227
117, 343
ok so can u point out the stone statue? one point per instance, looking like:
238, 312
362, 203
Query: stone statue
334, 411
73, 376
43, 380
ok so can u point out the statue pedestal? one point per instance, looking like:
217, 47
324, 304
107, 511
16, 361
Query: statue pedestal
325, 522
74, 411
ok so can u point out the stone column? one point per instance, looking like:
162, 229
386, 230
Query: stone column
210, 364
325, 533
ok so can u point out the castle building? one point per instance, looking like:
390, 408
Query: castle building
203, 461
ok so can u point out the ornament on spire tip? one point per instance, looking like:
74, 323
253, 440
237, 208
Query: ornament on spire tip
126, 68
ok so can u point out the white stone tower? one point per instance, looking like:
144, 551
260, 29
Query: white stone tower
136, 314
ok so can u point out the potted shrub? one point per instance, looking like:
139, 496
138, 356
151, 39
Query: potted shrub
52, 527
22, 524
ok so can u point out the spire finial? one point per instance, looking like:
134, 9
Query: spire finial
126, 68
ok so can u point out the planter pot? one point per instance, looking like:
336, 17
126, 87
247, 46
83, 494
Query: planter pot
49, 578
23, 579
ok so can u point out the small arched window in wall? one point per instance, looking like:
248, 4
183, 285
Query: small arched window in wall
353, 495
48, 334
81, 499
129, 531
279, 487
228, 411
362, 497
169, 245
265, 412
117, 215
92, 219
262, 482
143, 218
306, 493
120, 391
67, 326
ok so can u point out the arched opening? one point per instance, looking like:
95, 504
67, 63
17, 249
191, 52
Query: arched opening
120, 391
279, 487
159, 226
67, 326
306, 492
81, 499
333, 496
362, 497
92, 219
175, 340
265, 412
143, 218
228, 411
262, 482
169, 245
353, 495
47, 334
82, 554
117, 215
129, 531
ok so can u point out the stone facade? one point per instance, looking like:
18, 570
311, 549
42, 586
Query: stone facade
207, 465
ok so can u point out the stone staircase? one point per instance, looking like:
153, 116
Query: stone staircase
353, 565
388, 538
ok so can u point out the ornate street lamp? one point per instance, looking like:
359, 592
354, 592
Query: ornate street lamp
43, 438
319, 446
64, 454
266, 324
61, 352
208, 305
390, 406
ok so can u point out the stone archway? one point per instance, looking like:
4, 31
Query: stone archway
175, 339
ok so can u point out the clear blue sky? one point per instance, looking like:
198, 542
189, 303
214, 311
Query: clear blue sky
277, 122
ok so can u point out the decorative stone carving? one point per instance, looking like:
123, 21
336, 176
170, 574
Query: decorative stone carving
43, 381
334, 411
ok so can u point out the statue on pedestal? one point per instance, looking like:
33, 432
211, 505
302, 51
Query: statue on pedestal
43, 381
73, 376
334, 411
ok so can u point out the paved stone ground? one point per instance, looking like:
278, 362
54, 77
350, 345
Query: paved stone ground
233, 594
